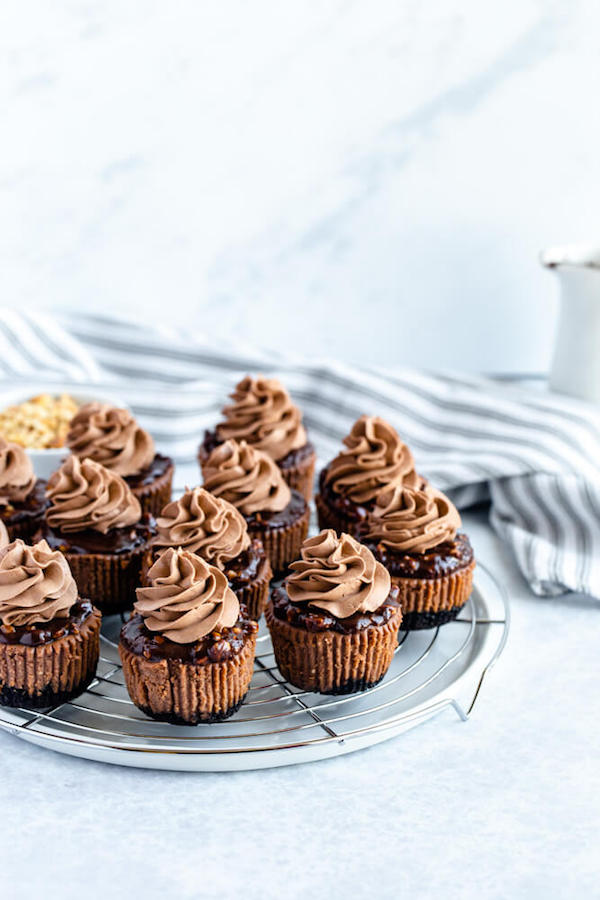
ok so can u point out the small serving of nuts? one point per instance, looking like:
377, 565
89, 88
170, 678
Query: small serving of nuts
38, 423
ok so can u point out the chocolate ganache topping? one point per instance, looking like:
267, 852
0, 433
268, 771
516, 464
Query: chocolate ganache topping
112, 437
36, 584
17, 478
246, 477
338, 575
204, 524
263, 414
187, 598
84, 495
4, 538
376, 458
410, 520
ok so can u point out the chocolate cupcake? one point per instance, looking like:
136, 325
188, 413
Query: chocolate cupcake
95, 520
22, 495
49, 637
113, 438
188, 649
414, 534
263, 415
252, 482
334, 624
375, 458
216, 531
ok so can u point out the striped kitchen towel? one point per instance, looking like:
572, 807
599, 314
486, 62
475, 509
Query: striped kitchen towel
533, 455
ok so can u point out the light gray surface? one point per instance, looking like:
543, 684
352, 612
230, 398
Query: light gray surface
257, 169
503, 806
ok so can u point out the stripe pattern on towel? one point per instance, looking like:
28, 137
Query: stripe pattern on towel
535, 456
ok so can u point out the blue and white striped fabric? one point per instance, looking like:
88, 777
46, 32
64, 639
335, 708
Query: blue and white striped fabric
535, 456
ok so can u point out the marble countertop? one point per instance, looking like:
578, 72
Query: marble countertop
505, 805
299, 174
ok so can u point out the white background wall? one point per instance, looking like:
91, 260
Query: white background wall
368, 179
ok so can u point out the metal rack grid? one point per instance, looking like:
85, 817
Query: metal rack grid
279, 724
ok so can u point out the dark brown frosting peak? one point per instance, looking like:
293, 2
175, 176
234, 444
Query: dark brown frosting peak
17, 478
375, 459
246, 477
83, 495
263, 414
186, 598
203, 524
112, 437
338, 575
411, 520
4, 538
36, 584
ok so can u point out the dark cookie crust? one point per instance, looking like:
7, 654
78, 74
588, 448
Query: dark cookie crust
173, 719
18, 697
416, 621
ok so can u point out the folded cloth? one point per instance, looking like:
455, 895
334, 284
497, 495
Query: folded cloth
535, 456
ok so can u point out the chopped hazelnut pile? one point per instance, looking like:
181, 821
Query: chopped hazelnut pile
40, 422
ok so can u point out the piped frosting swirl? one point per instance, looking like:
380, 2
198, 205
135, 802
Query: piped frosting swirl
375, 459
247, 478
17, 478
36, 584
263, 414
186, 598
412, 521
338, 575
203, 524
84, 495
112, 437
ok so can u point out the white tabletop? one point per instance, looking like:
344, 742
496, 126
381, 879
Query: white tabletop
505, 805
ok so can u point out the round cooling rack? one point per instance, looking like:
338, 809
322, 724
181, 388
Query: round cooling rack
278, 724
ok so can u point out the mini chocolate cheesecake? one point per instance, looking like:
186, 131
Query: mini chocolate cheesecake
188, 649
375, 458
95, 520
414, 534
263, 415
112, 437
213, 529
252, 482
49, 636
334, 623
22, 495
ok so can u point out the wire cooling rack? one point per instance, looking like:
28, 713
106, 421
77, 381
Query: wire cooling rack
279, 724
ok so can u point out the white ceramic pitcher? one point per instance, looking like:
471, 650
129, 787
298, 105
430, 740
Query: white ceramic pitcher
576, 364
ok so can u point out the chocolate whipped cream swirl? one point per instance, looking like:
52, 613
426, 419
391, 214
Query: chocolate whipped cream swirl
412, 521
84, 495
203, 524
263, 414
4, 538
187, 598
17, 478
246, 477
112, 437
376, 458
36, 584
338, 575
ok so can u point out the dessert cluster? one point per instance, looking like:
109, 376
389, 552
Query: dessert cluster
104, 536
